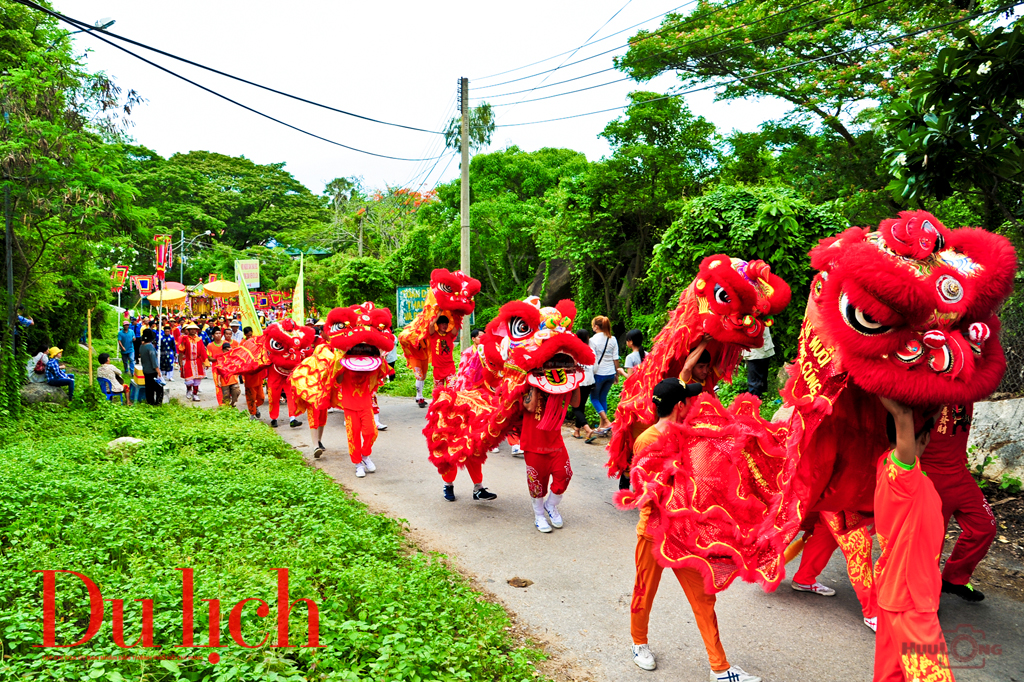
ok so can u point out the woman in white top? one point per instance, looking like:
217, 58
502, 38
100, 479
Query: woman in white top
579, 412
30, 366
606, 368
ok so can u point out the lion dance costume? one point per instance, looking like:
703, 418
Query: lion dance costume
277, 351
346, 372
906, 311
451, 297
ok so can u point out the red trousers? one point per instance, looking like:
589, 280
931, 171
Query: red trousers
856, 546
472, 466
909, 646
277, 382
961, 498
361, 432
317, 418
253, 391
553, 466
645, 587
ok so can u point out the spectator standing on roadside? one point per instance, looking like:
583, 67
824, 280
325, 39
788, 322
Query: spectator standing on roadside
582, 428
758, 360
151, 368
635, 342
126, 346
606, 350
168, 355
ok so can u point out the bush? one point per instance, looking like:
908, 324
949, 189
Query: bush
211, 491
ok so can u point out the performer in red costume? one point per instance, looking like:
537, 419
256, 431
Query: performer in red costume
283, 362
191, 358
945, 462
441, 346
908, 516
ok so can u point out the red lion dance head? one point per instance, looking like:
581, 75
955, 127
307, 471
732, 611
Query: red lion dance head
361, 333
287, 343
732, 301
453, 291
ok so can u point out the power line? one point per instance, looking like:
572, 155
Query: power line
437, 145
610, 35
94, 34
778, 69
719, 52
690, 42
614, 49
29, 3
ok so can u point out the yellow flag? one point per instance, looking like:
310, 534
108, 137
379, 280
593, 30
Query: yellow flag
299, 299
245, 304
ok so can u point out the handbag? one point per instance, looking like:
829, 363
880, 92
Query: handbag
41, 366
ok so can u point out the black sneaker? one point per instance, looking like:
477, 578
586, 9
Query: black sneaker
421, 402
319, 450
965, 592
294, 423
484, 494
273, 423
449, 493
258, 415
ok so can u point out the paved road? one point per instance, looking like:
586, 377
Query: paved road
583, 574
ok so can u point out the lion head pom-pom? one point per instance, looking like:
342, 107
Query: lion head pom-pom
915, 234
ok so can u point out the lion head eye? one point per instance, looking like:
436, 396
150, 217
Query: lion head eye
860, 320
445, 288
721, 295
518, 328
276, 345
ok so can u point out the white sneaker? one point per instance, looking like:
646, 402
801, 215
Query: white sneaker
517, 451
556, 521
360, 471
542, 524
643, 657
332, 410
382, 427
733, 674
816, 588
370, 466
494, 450
872, 623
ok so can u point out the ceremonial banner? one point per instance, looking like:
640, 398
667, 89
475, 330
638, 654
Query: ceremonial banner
144, 284
162, 244
262, 300
246, 307
299, 298
275, 298
119, 274
411, 301
250, 272
213, 277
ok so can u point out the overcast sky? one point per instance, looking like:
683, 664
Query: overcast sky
397, 61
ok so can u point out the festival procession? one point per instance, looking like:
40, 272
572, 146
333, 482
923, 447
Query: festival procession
249, 431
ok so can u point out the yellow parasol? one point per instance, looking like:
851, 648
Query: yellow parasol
167, 298
221, 288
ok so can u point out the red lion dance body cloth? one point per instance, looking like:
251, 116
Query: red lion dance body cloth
905, 311
346, 372
450, 296
278, 350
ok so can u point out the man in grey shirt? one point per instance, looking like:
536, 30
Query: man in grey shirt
151, 368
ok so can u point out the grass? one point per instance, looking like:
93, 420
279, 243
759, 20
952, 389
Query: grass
209, 490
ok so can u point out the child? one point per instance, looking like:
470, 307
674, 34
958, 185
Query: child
545, 454
229, 388
357, 391
908, 520
635, 343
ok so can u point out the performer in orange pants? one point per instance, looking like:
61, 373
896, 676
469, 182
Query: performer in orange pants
361, 433
852, 532
908, 515
254, 392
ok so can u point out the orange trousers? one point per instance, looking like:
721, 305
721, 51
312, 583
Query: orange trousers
472, 466
253, 391
856, 546
648, 577
361, 432
909, 646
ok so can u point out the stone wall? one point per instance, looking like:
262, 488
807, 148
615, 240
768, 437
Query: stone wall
998, 431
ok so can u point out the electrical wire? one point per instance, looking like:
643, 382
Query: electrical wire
674, 27
432, 148
75, 22
29, 3
691, 42
610, 35
713, 54
778, 69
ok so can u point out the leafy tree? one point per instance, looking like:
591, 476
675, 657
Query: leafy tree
613, 213
961, 127
364, 279
764, 49
774, 224
481, 128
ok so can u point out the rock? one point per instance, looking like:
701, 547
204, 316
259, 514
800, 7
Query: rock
44, 393
998, 432
520, 582
123, 441
558, 284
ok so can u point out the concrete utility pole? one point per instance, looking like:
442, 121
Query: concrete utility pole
464, 107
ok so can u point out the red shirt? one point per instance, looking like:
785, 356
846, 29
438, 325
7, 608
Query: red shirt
947, 451
440, 347
535, 439
908, 520
357, 389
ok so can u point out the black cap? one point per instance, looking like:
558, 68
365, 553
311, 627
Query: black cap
670, 392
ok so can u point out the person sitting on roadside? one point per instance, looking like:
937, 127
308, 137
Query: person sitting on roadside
107, 370
36, 367
55, 374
